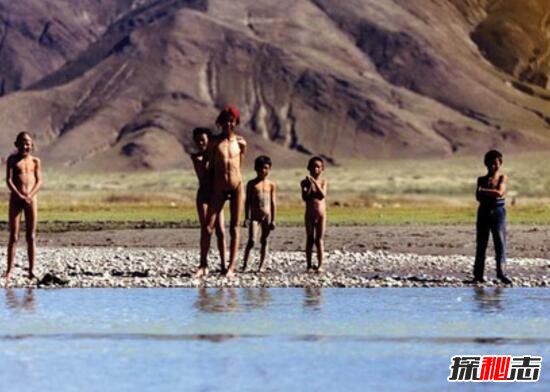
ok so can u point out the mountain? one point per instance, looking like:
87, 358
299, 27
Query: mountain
119, 85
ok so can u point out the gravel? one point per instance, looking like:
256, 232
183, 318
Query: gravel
161, 267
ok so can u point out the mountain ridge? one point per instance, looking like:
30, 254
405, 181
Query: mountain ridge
360, 79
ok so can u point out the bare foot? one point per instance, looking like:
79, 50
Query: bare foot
201, 272
319, 269
229, 273
310, 269
262, 267
6, 275
31, 276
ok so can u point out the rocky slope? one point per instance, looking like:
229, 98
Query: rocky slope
119, 85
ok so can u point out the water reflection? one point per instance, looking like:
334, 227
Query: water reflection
227, 299
217, 300
26, 302
256, 298
489, 300
313, 298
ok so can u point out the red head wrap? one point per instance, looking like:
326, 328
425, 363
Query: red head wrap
230, 111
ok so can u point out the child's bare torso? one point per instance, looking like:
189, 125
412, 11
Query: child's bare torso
226, 164
316, 204
260, 199
490, 182
200, 164
23, 172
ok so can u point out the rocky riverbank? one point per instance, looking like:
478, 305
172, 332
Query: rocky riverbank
163, 267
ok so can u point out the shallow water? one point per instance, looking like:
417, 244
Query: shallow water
263, 339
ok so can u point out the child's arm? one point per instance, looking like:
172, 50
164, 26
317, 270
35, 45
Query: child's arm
305, 185
199, 170
498, 192
324, 188
242, 146
9, 180
478, 187
38, 177
273, 205
321, 189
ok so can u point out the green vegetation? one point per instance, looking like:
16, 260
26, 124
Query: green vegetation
427, 191
132, 216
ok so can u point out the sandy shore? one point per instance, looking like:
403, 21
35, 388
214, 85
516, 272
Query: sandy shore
379, 256
523, 240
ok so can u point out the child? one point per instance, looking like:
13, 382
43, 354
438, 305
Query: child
201, 137
24, 178
259, 208
225, 157
314, 192
491, 216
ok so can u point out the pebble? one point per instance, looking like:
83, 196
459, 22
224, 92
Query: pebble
158, 267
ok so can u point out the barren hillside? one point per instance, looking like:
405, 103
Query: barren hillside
119, 85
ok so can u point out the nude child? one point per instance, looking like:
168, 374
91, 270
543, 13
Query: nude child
202, 137
24, 179
314, 192
225, 156
259, 209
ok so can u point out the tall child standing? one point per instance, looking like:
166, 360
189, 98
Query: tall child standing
314, 192
225, 156
491, 216
23, 178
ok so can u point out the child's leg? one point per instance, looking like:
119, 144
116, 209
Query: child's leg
234, 231
482, 238
14, 220
263, 243
252, 230
498, 231
320, 227
31, 215
220, 235
212, 212
202, 208
310, 237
